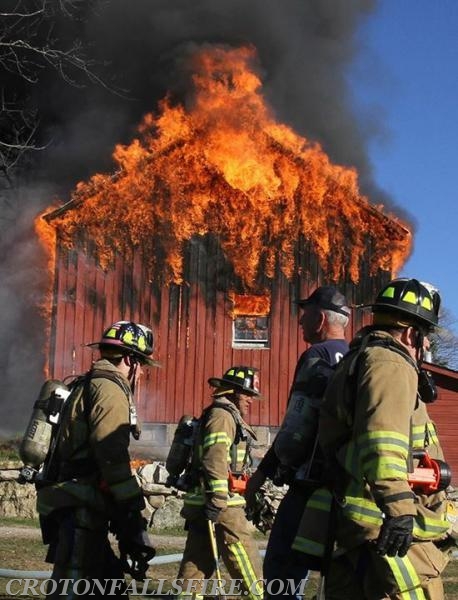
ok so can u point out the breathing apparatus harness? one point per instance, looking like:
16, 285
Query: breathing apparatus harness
182, 463
430, 475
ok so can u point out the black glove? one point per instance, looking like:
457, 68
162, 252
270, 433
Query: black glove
211, 512
135, 554
127, 525
395, 536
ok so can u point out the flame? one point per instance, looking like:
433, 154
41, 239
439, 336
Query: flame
224, 166
47, 235
258, 306
137, 463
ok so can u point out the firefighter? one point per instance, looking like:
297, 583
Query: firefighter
94, 490
221, 452
380, 534
325, 315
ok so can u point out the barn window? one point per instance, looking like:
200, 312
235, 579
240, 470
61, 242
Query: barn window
250, 325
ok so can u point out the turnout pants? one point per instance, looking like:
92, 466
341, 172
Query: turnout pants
277, 564
84, 562
236, 548
361, 574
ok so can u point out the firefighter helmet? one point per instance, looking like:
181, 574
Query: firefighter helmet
131, 338
412, 299
242, 379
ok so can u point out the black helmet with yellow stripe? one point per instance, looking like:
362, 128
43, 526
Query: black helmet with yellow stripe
416, 301
130, 338
238, 379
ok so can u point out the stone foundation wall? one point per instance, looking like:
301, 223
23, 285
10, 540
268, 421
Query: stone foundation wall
163, 504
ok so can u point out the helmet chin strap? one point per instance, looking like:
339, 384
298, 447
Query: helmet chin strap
419, 345
131, 376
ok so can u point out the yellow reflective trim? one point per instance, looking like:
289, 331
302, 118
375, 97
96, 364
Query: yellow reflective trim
365, 511
218, 485
406, 578
389, 292
410, 297
426, 303
111, 333
385, 467
236, 500
253, 586
219, 437
307, 546
241, 454
320, 500
427, 528
128, 338
387, 437
197, 498
432, 433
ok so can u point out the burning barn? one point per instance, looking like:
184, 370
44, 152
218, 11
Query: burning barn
216, 219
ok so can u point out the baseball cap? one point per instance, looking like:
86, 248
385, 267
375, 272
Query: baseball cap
327, 297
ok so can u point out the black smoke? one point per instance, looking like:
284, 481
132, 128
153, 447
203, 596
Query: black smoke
137, 50
305, 49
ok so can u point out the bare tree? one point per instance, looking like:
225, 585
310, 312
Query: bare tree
36, 40
444, 342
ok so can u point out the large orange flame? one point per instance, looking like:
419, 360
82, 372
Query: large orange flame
225, 166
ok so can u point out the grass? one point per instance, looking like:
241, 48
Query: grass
9, 449
23, 550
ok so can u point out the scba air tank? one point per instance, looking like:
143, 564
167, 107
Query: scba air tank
37, 438
295, 439
180, 452
295, 442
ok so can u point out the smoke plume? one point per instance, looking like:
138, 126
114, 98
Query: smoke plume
139, 50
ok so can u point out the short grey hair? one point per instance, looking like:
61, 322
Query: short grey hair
335, 318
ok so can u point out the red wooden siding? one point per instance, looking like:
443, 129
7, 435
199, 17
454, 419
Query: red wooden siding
445, 414
191, 323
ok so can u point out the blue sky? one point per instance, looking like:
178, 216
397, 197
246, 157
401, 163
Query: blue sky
407, 75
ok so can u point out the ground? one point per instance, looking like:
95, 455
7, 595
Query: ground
21, 549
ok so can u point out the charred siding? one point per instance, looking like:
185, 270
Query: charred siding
192, 324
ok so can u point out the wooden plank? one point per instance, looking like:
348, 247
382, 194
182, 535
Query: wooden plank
69, 366
200, 332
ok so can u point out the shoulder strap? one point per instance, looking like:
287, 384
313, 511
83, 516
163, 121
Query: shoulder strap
354, 366
99, 374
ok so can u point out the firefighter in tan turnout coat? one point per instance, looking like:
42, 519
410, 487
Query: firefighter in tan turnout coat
221, 448
387, 538
93, 489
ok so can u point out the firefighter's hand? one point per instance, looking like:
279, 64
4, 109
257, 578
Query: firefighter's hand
211, 512
395, 536
135, 553
126, 525
252, 488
